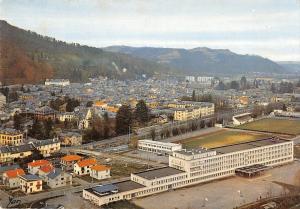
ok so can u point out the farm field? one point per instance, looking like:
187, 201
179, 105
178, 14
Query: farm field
283, 126
220, 138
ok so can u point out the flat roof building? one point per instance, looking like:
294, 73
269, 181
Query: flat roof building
189, 167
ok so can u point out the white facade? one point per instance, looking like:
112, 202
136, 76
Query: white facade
189, 167
158, 147
57, 82
205, 80
190, 78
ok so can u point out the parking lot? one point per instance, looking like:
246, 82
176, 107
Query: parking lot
226, 193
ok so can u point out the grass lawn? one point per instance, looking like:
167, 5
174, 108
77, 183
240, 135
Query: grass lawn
283, 126
125, 169
220, 138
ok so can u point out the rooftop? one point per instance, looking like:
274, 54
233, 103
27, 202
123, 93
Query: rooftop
87, 162
249, 145
158, 173
30, 177
39, 163
14, 173
100, 168
69, 158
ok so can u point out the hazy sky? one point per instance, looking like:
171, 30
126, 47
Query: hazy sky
270, 28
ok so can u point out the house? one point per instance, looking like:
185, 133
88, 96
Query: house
10, 136
83, 167
11, 177
242, 118
100, 172
58, 178
67, 162
47, 147
85, 117
31, 183
34, 166
10, 153
44, 113
7, 168
70, 138
45, 170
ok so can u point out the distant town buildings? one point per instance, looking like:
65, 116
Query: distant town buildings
57, 82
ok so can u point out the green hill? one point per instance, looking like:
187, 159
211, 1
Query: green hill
27, 57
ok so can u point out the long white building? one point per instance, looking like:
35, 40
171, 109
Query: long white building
158, 147
189, 167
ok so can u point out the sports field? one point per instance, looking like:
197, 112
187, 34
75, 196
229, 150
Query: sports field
283, 126
220, 138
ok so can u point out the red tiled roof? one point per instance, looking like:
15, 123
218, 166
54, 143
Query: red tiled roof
14, 173
68, 158
87, 162
47, 168
100, 168
39, 163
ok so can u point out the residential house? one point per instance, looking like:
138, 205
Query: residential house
70, 138
10, 153
83, 167
100, 172
34, 166
44, 171
58, 178
47, 147
67, 162
11, 177
44, 113
9, 136
31, 184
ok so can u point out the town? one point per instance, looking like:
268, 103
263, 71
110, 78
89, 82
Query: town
113, 141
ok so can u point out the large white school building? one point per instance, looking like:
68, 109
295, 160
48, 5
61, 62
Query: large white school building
189, 167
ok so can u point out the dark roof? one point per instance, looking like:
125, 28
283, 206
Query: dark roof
9, 167
44, 142
159, 173
105, 188
30, 177
53, 174
17, 149
128, 185
249, 145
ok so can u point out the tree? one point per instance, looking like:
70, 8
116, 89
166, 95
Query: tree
142, 112
36, 130
221, 86
89, 104
123, 120
243, 82
234, 85
17, 121
153, 134
48, 127
194, 95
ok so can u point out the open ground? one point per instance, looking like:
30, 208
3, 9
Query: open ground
272, 125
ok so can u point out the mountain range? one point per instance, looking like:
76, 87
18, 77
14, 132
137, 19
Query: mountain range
202, 60
27, 57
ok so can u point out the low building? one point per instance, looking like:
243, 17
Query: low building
44, 171
190, 167
48, 146
191, 110
58, 178
10, 153
70, 138
67, 162
44, 113
158, 147
34, 166
11, 177
100, 172
83, 167
242, 119
57, 82
65, 116
31, 184
12, 137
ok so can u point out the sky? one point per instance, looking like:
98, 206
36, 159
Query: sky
269, 28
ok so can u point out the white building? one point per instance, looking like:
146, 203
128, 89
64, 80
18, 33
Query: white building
190, 167
100, 172
242, 119
158, 147
205, 80
57, 82
190, 78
